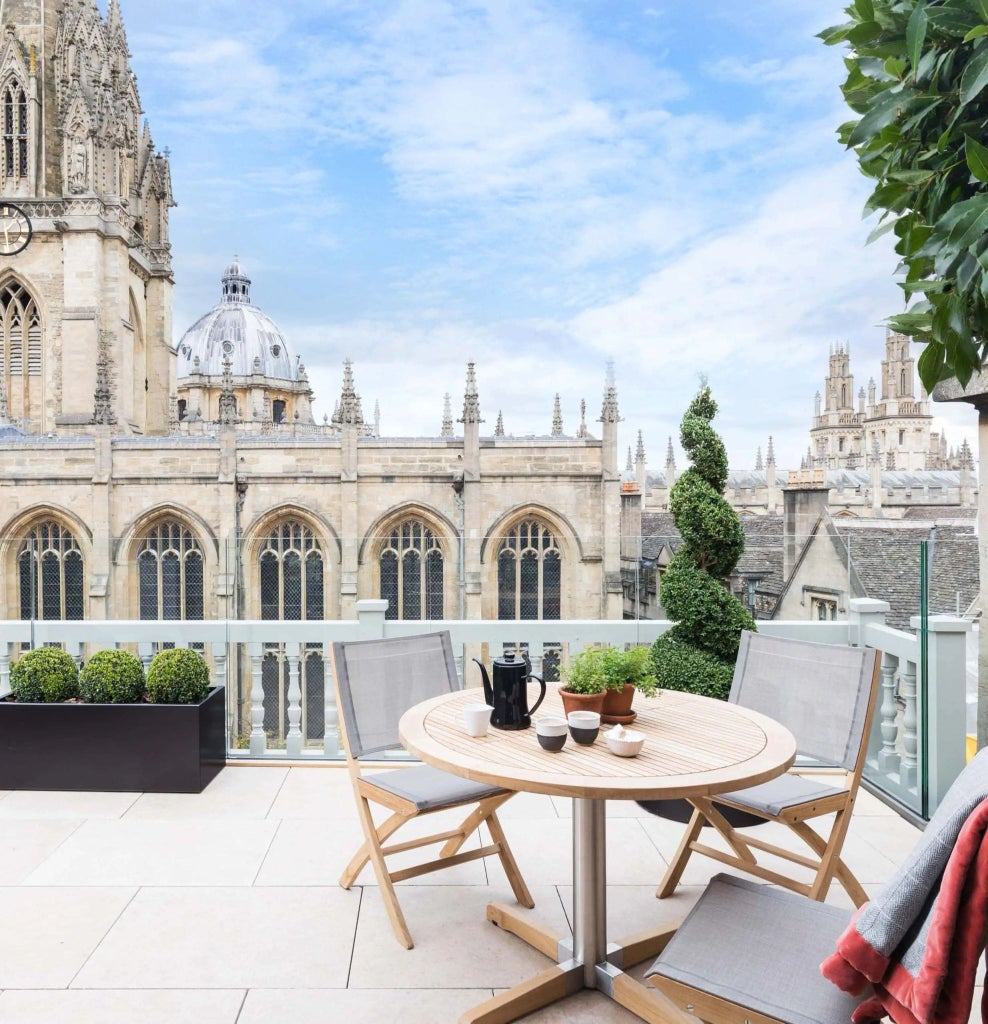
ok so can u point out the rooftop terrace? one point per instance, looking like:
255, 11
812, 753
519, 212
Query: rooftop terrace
223, 908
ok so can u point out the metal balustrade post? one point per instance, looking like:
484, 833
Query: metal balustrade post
293, 740
947, 698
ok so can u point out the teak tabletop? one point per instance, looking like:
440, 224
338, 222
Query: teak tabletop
693, 746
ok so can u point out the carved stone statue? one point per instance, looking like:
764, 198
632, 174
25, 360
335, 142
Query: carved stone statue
78, 167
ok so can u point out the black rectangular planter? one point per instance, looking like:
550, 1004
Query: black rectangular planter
113, 748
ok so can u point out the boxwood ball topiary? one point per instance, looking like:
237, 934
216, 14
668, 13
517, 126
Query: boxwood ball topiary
112, 677
47, 675
178, 676
699, 652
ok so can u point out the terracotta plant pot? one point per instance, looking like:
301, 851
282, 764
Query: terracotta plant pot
617, 706
581, 701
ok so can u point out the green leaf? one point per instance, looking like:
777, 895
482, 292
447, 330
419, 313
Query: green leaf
882, 229
952, 22
975, 76
865, 9
931, 365
886, 107
981, 6
916, 35
977, 158
976, 33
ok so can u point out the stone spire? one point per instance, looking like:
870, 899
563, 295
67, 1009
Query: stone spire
471, 398
583, 432
630, 467
770, 455
670, 454
609, 413
348, 410
447, 430
557, 418
640, 450
876, 454
499, 426
966, 458
759, 465
103, 394
670, 467
228, 399
377, 419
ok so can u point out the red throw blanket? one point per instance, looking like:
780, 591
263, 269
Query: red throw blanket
930, 977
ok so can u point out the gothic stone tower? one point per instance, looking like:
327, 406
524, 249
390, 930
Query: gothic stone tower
835, 437
85, 334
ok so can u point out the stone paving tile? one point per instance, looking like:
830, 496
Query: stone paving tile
455, 944
35, 804
24, 845
359, 1006
48, 934
237, 792
179, 938
316, 792
136, 852
115, 1006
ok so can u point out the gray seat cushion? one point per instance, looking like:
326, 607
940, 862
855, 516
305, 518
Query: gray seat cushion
429, 788
760, 947
775, 796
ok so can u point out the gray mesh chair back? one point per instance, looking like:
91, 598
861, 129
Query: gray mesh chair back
379, 680
819, 692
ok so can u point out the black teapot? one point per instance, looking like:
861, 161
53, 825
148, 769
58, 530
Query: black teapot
508, 693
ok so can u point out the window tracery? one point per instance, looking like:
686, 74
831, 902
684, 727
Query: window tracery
13, 99
170, 572
529, 573
412, 569
51, 574
20, 350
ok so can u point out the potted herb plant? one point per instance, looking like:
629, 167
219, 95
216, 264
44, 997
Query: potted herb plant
106, 729
585, 681
626, 672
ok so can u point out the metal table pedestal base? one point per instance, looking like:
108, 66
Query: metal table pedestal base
586, 960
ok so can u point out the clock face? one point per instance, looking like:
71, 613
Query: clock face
15, 229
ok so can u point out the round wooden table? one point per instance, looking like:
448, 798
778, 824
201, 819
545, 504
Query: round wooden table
694, 746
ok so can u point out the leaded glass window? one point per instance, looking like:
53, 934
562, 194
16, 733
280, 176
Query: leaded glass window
529, 573
411, 563
51, 576
292, 588
170, 573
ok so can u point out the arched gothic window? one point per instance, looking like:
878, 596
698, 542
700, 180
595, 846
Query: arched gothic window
170, 568
902, 383
20, 350
411, 563
291, 586
529, 573
291, 568
15, 133
50, 573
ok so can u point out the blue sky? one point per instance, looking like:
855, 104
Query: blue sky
536, 186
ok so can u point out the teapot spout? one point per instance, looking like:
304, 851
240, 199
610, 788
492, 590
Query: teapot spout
488, 690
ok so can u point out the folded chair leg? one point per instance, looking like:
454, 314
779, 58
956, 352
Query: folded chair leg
727, 832
831, 864
679, 861
518, 886
381, 873
471, 823
362, 856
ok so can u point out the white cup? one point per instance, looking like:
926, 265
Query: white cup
584, 719
551, 725
477, 718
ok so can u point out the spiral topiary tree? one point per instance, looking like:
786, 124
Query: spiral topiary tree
699, 652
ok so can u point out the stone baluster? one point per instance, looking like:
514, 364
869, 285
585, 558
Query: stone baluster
909, 773
293, 740
888, 756
331, 733
258, 739
145, 651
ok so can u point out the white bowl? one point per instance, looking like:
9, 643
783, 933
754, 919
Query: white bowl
628, 745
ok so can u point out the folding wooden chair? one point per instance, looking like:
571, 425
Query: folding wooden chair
376, 682
825, 695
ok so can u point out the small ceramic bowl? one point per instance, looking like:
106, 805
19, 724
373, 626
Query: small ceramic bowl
551, 732
584, 726
627, 743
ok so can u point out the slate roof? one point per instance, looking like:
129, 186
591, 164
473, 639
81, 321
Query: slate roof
938, 513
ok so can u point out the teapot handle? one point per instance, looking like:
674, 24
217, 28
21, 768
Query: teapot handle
541, 681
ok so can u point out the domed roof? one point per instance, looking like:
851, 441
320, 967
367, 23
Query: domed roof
237, 330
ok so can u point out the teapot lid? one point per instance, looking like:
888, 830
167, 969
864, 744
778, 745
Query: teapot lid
510, 660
